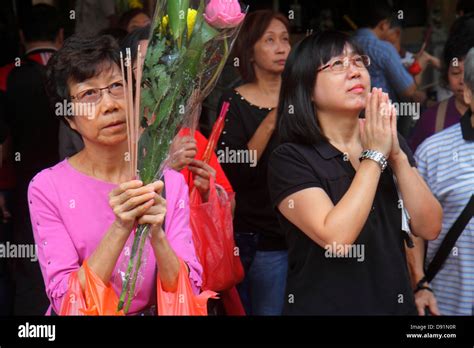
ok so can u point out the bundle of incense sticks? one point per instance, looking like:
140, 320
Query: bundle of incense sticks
132, 109
132, 114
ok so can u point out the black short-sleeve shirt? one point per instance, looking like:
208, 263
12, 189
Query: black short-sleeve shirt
375, 280
253, 211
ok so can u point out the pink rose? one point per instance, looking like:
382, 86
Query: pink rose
223, 13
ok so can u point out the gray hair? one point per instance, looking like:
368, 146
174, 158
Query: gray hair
469, 69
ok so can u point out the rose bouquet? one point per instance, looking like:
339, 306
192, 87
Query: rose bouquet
189, 44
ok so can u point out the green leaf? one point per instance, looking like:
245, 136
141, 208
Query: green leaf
159, 71
199, 18
147, 99
155, 51
207, 33
164, 109
202, 31
177, 18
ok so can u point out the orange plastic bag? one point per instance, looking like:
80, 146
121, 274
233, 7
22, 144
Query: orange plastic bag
182, 301
213, 236
97, 298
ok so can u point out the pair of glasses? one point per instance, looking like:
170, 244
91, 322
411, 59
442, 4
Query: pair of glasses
343, 64
94, 95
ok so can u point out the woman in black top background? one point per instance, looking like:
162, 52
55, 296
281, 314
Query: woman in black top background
243, 150
341, 215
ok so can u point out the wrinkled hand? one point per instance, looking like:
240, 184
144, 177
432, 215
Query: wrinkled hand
426, 299
202, 175
182, 152
130, 200
155, 215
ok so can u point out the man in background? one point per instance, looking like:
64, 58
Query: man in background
92, 16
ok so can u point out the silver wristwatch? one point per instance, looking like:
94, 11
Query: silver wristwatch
374, 156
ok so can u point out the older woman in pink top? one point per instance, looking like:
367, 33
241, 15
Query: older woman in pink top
85, 207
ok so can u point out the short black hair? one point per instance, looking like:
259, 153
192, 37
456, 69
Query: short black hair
459, 42
41, 23
128, 16
375, 11
78, 60
117, 33
132, 40
395, 22
297, 121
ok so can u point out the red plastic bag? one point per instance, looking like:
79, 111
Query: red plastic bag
182, 301
97, 298
232, 303
213, 236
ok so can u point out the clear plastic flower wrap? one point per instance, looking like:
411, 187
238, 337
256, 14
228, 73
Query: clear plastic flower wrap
188, 46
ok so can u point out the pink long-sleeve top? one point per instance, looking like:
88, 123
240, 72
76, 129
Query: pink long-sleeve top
70, 214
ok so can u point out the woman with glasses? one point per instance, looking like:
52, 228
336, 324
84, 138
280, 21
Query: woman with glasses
332, 183
85, 207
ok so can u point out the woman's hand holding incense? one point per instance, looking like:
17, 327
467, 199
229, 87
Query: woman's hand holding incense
129, 202
155, 215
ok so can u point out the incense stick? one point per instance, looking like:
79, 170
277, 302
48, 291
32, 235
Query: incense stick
132, 116
130, 108
138, 77
127, 116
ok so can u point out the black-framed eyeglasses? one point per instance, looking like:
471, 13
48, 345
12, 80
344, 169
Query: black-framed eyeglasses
342, 64
94, 95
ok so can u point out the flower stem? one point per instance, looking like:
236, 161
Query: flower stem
128, 274
142, 238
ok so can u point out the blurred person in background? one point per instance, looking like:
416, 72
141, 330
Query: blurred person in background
6, 185
262, 48
415, 63
449, 111
445, 160
34, 131
464, 7
386, 69
93, 16
134, 19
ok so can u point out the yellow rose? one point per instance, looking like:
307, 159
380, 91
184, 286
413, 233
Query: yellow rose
191, 20
164, 22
